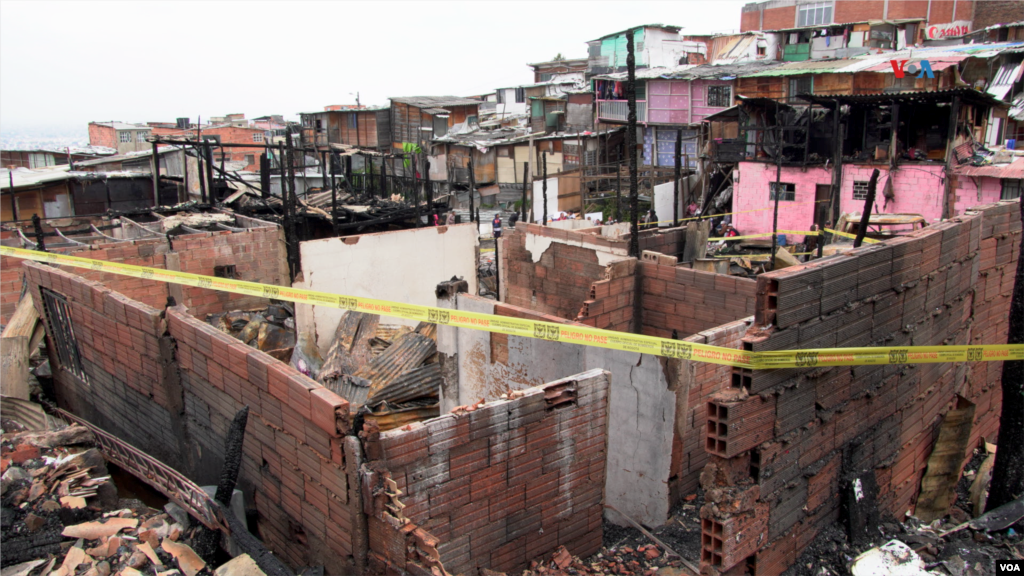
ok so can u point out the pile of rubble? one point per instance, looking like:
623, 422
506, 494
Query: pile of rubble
62, 515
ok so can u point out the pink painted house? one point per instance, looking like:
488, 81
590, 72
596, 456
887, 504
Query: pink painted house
918, 156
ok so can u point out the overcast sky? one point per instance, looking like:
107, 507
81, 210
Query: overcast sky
63, 64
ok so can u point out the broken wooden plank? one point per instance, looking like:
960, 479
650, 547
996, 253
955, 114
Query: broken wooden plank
15, 349
938, 485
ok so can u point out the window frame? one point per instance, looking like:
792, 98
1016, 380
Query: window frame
140, 136
520, 95
124, 137
788, 192
1004, 194
257, 137
718, 88
57, 313
821, 14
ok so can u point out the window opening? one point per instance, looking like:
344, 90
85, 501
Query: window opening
58, 316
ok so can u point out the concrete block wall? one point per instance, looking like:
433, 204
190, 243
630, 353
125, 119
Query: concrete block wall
690, 301
609, 304
791, 440
504, 484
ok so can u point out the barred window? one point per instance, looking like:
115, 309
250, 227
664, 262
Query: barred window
788, 191
860, 190
58, 317
1011, 189
720, 96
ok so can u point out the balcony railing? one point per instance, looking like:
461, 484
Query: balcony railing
619, 110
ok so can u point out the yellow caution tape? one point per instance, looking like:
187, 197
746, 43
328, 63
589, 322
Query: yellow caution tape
708, 217
760, 256
548, 330
767, 234
851, 236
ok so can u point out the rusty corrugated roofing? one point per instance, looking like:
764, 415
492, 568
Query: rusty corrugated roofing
1013, 170
422, 382
404, 354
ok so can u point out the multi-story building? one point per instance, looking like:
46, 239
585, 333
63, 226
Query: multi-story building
120, 136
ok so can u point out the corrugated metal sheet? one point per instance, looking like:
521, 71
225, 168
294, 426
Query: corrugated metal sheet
389, 416
1014, 170
407, 352
422, 382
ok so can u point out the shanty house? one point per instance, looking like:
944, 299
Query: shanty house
360, 127
120, 136
420, 119
545, 71
42, 157
59, 193
654, 45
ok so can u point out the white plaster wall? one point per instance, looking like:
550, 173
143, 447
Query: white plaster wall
663, 201
401, 266
537, 245
641, 420
538, 198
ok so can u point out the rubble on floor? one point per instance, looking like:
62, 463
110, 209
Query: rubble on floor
61, 515
487, 270
270, 329
389, 374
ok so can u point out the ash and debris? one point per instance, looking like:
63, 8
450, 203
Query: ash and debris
62, 515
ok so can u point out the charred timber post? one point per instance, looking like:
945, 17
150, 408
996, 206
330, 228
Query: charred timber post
675, 184
1008, 471
232, 457
544, 185
368, 181
156, 177
293, 239
209, 172
334, 194
526, 176
384, 177
865, 216
618, 191
428, 191
14, 199
264, 176
472, 190
778, 183
415, 189
634, 199
38, 225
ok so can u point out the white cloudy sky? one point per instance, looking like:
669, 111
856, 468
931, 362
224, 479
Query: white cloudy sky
63, 64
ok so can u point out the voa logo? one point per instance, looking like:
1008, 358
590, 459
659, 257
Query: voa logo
1010, 566
918, 69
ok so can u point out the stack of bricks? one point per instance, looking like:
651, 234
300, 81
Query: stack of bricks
294, 464
689, 301
560, 280
609, 304
949, 283
255, 255
506, 483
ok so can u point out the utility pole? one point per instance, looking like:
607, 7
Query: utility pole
679, 172
544, 184
472, 190
526, 174
634, 200
779, 132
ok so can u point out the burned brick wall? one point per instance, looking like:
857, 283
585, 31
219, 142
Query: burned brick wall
557, 278
668, 241
254, 255
170, 384
786, 444
689, 301
116, 369
499, 486
296, 467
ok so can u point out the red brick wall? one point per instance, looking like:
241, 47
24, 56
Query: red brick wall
609, 305
558, 283
750, 21
255, 254
689, 301
170, 385
237, 135
500, 486
802, 429
996, 12
908, 9
295, 469
779, 18
855, 11
102, 136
